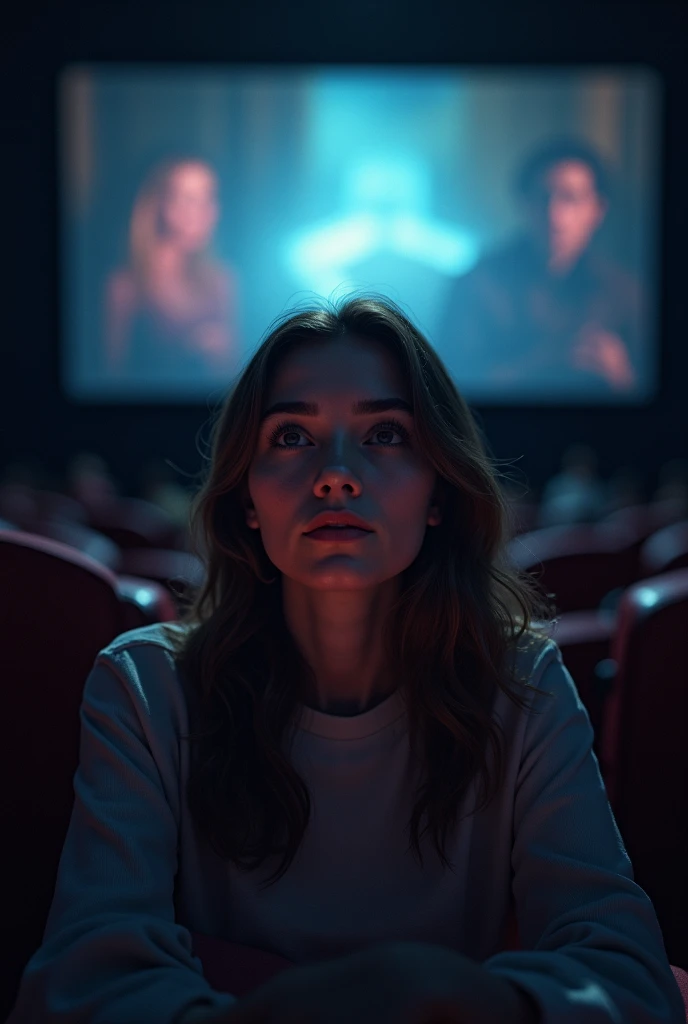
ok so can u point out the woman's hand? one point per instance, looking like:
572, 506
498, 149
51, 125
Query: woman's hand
392, 983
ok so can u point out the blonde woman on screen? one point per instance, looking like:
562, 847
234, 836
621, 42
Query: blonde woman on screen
171, 310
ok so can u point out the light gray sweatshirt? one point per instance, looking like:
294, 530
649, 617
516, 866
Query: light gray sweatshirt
135, 875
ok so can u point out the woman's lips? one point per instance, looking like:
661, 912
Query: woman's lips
335, 534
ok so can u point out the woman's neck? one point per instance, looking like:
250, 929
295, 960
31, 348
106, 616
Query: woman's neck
340, 635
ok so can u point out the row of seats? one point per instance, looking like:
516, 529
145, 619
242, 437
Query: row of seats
588, 565
129, 522
585, 565
631, 671
620, 587
128, 536
58, 608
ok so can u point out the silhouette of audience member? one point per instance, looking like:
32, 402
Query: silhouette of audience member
672, 487
575, 494
160, 487
89, 480
171, 312
26, 472
624, 489
549, 308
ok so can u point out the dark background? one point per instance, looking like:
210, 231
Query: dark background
37, 40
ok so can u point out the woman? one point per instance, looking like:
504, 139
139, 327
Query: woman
357, 749
171, 311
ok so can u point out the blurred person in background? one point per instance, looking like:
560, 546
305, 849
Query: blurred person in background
624, 489
20, 482
549, 308
523, 506
672, 485
160, 487
25, 472
575, 494
90, 481
172, 309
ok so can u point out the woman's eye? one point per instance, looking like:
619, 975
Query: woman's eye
386, 430
287, 432
292, 433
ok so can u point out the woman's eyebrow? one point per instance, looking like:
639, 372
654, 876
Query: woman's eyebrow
362, 407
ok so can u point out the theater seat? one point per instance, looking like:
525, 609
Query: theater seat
59, 517
144, 602
18, 504
665, 550
53, 505
181, 572
133, 523
58, 609
644, 520
578, 564
89, 542
26, 505
645, 746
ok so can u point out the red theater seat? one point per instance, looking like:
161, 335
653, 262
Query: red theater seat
87, 541
665, 550
144, 602
58, 608
48, 514
646, 519
27, 506
18, 504
53, 505
638, 522
180, 571
578, 564
645, 746
133, 523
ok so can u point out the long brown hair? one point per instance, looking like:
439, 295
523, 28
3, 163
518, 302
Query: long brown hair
461, 612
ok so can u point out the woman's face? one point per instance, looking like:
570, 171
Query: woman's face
189, 206
338, 458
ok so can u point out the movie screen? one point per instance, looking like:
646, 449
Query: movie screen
511, 213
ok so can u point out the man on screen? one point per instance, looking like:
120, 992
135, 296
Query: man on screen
548, 310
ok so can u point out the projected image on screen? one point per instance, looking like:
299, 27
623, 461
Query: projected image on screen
512, 214
169, 309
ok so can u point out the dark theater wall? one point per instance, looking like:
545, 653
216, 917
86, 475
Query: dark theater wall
39, 39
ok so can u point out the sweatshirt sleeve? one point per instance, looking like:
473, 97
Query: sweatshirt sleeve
112, 952
593, 951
